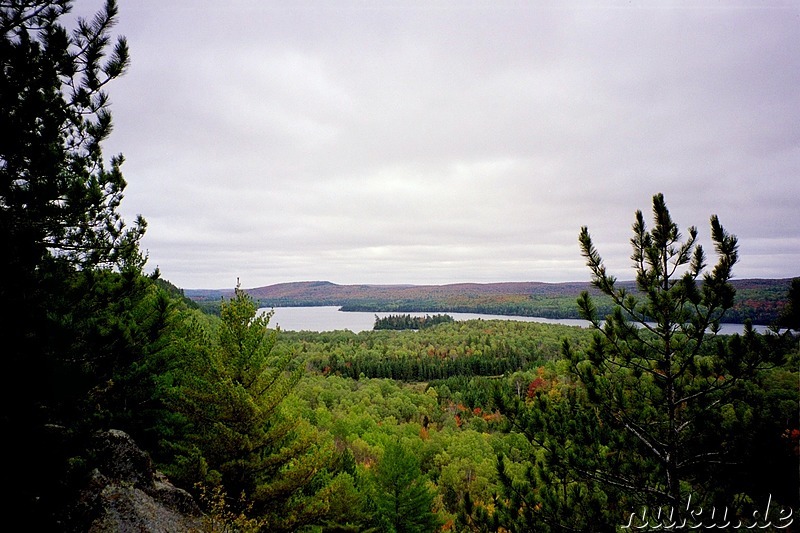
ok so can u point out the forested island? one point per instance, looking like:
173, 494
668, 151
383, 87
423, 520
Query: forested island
136, 409
410, 322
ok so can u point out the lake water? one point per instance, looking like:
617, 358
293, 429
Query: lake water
329, 318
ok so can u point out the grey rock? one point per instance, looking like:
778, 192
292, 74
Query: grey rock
125, 493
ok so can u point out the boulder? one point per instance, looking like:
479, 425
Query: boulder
125, 493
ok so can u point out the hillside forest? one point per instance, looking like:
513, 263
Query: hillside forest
757, 300
647, 419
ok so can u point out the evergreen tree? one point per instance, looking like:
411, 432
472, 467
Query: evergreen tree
71, 269
403, 502
59, 199
656, 415
648, 369
231, 391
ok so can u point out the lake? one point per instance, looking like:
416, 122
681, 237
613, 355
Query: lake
329, 318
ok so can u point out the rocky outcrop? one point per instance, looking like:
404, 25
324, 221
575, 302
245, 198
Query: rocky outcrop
126, 494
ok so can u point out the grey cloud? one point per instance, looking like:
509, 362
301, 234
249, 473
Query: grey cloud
415, 142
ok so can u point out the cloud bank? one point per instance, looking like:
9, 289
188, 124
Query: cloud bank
442, 142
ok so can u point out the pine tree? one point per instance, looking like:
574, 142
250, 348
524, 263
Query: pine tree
231, 391
71, 270
650, 370
59, 199
403, 501
656, 414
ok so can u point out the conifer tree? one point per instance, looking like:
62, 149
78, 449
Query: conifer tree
59, 197
648, 369
403, 501
231, 391
656, 415
71, 270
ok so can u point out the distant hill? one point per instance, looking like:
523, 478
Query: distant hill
313, 293
757, 299
336, 294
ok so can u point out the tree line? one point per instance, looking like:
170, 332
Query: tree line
759, 301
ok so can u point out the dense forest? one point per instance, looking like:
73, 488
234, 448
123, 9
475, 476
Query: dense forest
645, 420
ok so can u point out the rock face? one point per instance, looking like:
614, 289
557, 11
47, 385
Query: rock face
126, 494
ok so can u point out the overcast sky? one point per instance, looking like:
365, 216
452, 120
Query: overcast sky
434, 142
